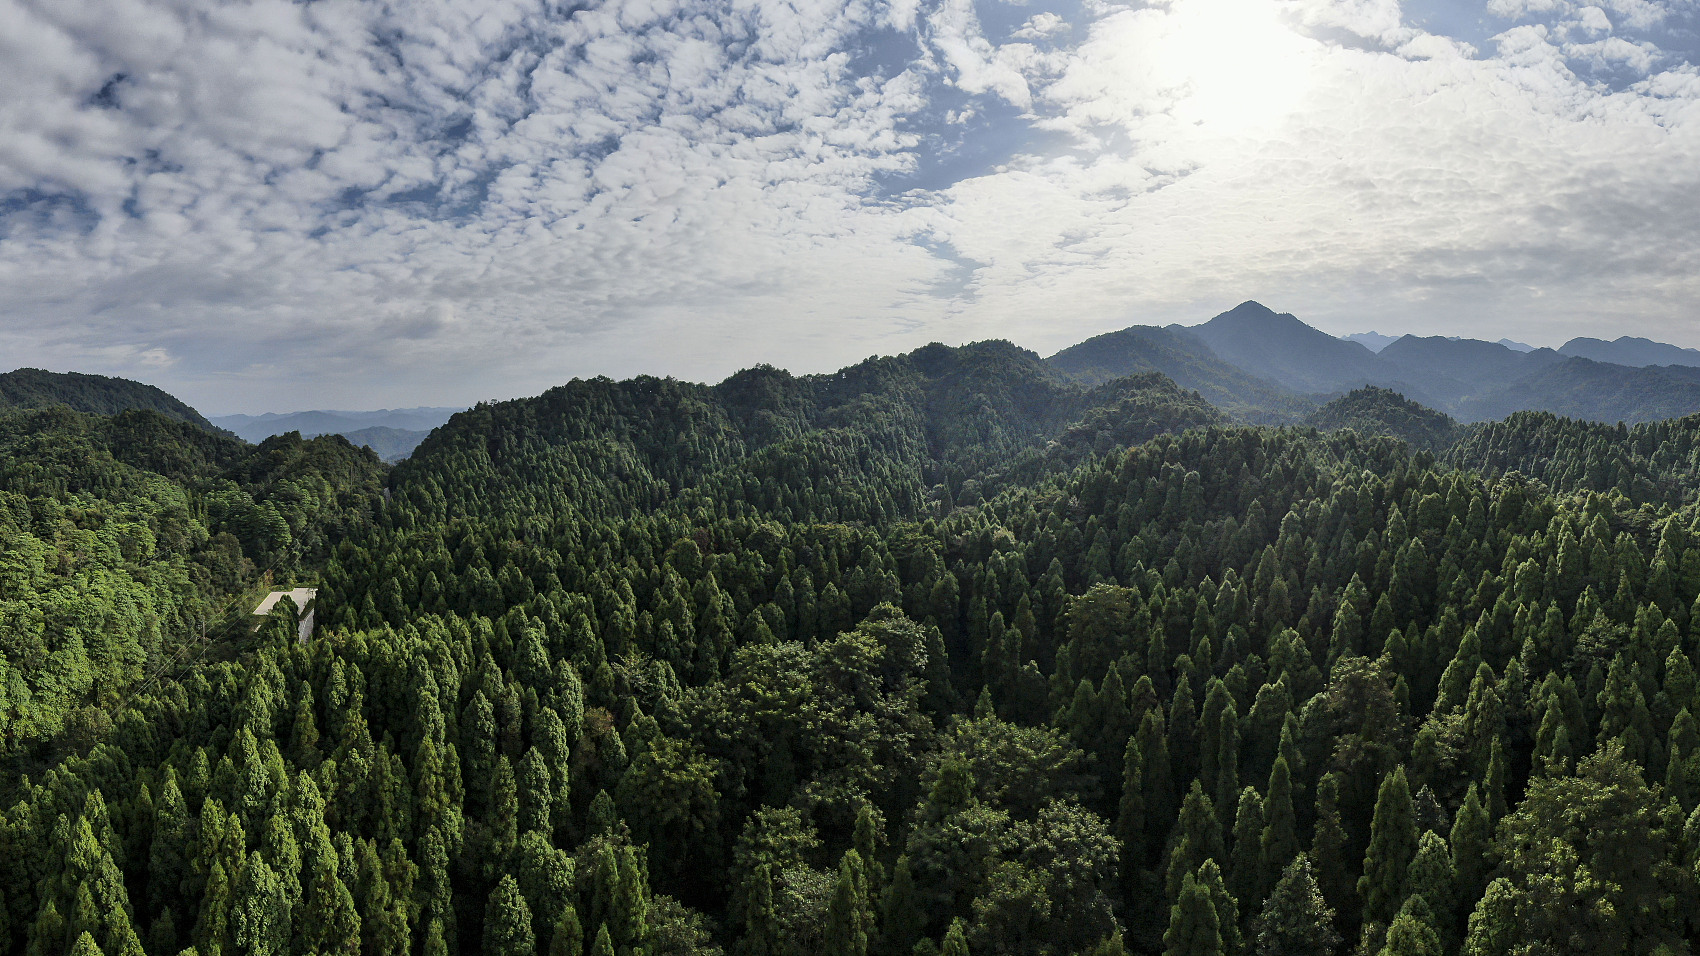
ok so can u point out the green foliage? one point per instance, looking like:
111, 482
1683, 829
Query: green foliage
91, 394
857, 663
1379, 411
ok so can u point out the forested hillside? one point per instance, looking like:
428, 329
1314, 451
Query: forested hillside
1186, 361
888, 438
125, 540
941, 654
1379, 411
95, 394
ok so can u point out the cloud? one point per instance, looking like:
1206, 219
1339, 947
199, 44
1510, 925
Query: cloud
270, 204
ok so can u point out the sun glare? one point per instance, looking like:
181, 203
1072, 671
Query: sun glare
1232, 65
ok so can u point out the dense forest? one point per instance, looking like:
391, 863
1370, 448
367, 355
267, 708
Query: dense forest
945, 653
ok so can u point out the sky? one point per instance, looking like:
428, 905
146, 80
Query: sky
267, 206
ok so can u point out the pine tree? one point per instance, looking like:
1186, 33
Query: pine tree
1296, 920
1223, 902
1495, 782
1194, 928
1412, 932
761, 929
865, 840
1245, 871
507, 922
1279, 841
902, 916
1470, 847
1197, 838
848, 918
567, 938
1392, 843
955, 943
1131, 811
1430, 876
604, 945
1328, 847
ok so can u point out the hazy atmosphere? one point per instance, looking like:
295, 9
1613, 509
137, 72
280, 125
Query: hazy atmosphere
267, 206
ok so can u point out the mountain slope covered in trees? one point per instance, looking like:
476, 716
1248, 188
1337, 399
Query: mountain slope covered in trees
94, 394
126, 540
1285, 350
1379, 411
1580, 388
940, 654
1186, 361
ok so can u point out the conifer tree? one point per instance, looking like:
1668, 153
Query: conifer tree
1223, 902
567, 937
1392, 843
1470, 847
1245, 875
1431, 877
848, 918
1329, 845
1197, 838
1412, 932
1296, 920
507, 922
902, 916
955, 942
1194, 928
604, 944
1279, 841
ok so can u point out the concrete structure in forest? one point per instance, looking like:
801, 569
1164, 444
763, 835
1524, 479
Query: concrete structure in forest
303, 599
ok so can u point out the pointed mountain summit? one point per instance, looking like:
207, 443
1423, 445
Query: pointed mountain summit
1279, 347
1174, 352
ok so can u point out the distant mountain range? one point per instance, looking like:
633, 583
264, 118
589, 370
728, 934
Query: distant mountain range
1264, 366
1251, 363
391, 432
1374, 341
1631, 351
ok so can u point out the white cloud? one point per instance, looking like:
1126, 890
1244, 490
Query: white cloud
442, 200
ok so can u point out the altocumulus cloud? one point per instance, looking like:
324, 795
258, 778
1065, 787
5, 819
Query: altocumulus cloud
272, 204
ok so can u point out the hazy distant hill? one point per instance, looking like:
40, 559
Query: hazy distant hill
257, 428
1186, 361
1456, 369
1284, 350
1629, 350
1596, 391
1379, 411
94, 394
1471, 380
1374, 341
391, 444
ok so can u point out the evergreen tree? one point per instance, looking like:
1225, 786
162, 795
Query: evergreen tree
1392, 844
902, 913
849, 919
1194, 927
1296, 920
1279, 841
507, 922
955, 943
